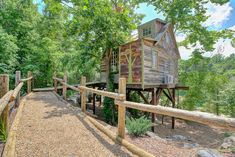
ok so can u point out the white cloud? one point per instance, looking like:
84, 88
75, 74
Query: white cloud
232, 28
218, 14
223, 46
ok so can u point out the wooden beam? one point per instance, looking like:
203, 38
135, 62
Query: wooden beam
55, 83
173, 105
154, 97
4, 88
94, 100
122, 109
17, 81
83, 94
143, 97
65, 79
4, 84
132, 148
29, 82
10, 146
16, 92
167, 95
200, 117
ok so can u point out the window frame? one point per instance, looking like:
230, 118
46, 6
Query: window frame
147, 31
154, 63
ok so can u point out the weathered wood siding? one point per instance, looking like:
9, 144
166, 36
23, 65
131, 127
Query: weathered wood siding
153, 75
124, 61
167, 60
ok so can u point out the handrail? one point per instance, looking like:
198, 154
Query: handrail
16, 91
4, 101
103, 93
99, 92
58, 79
196, 116
70, 86
26, 79
120, 100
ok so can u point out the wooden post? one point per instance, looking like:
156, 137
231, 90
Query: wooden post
55, 83
4, 84
94, 96
29, 83
83, 94
122, 109
173, 105
4, 88
154, 97
17, 81
64, 86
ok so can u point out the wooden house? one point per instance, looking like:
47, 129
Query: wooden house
150, 60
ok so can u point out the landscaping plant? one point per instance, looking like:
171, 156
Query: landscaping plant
138, 126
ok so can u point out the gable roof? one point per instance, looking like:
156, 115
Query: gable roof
156, 19
163, 31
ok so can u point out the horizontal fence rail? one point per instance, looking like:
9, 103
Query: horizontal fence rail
120, 100
196, 116
6, 96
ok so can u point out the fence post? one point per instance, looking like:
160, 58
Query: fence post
4, 88
122, 109
17, 81
29, 83
55, 83
64, 86
83, 94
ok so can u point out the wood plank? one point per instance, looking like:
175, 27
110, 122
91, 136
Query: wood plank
195, 116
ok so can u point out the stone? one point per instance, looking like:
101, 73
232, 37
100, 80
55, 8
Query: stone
229, 142
190, 145
208, 153
179, 138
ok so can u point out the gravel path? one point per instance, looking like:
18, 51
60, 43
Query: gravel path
49, 128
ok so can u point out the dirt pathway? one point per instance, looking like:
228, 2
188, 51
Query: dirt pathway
49, 128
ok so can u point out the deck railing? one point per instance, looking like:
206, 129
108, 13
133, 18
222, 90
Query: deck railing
6, 96
120, 100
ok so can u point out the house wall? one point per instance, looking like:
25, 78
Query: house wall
167, 61
130, 66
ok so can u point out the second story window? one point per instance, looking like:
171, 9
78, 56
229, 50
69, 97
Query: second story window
147, 31
154, 59
114, 61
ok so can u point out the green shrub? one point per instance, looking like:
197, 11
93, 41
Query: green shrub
3, 132
109, 109
138, 126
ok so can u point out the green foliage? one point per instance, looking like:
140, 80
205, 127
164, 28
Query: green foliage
188, 17
134, 97
211, 82
3, 132
139, 126
109, 109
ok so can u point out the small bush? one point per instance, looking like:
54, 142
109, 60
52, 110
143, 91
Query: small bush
138, 126
3, 132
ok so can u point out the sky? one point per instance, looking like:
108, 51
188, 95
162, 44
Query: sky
221, 17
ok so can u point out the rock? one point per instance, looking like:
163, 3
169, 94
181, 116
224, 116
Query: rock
180, 138
229, 142
190, 145
208, 153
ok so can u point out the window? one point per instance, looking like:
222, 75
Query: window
154, 59
146, 31
114, 61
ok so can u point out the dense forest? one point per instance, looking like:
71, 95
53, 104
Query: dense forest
74, 35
